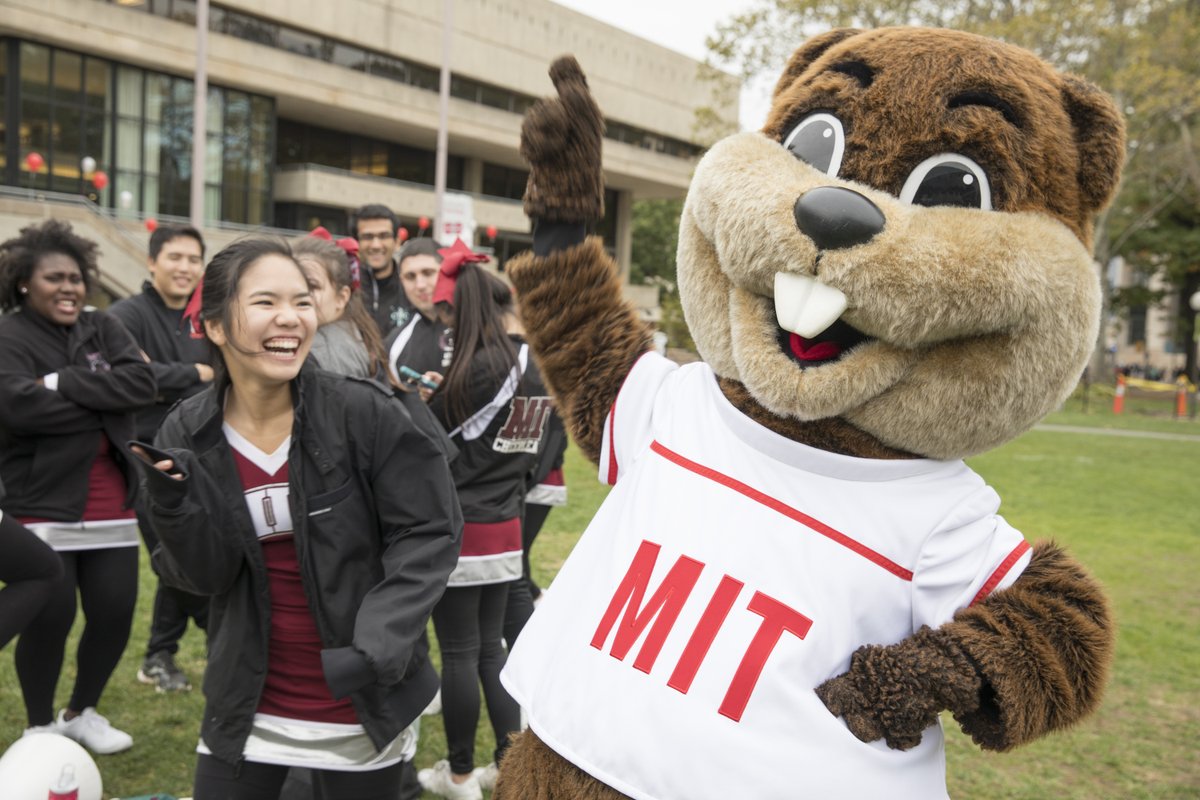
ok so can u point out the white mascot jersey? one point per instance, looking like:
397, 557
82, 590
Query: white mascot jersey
728, 574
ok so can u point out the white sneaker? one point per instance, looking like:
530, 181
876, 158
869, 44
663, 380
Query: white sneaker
435, 705
94, 732
487, 776
438, 781
35, 729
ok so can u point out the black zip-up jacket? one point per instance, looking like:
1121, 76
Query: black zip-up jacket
162, 335
49, 438
377, 531
493, 464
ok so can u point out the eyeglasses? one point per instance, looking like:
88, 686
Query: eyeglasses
376, 237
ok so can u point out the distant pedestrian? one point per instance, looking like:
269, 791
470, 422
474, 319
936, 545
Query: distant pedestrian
375, 227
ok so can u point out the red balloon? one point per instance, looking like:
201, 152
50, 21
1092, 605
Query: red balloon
491, 231
402, 234
34, 162
99, 180
423, 223
151, 224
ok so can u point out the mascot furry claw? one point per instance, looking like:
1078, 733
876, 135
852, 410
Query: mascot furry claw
795, 572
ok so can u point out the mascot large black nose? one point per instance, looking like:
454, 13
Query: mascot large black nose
836, 218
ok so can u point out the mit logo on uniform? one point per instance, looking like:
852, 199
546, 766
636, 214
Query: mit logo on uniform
522, 431
664, 609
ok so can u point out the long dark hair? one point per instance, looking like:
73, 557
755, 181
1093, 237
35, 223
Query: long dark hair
218, 297
481, 302
331, 258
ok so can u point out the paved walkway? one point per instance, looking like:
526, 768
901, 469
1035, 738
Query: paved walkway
1171, 437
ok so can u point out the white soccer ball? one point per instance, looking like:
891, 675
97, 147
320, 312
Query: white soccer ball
35, 764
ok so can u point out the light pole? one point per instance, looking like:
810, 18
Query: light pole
1194, 302
443, 134
200, 116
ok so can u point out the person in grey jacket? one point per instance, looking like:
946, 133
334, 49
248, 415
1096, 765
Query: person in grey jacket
322, 523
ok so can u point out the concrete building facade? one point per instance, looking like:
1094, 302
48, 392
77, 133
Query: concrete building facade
315, 108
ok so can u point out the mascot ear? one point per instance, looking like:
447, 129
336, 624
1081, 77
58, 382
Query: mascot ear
810, 52
1100, 137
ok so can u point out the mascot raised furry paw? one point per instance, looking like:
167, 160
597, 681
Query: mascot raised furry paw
795, 572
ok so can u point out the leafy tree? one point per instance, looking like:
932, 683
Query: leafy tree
655, 239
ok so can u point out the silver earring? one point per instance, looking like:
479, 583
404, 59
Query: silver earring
24, 290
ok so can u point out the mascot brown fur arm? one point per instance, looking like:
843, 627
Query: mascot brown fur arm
586, 338
1022, 662
1028, 660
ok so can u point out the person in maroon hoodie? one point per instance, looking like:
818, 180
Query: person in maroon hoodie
71, 379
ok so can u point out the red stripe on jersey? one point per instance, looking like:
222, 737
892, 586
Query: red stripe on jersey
1001, 571
776, 505
491, 538
612, 443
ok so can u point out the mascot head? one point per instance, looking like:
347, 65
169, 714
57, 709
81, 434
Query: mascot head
906, 245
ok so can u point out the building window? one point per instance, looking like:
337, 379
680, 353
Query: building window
501, 181
309, 45
307, 144
1137, 325
137, 126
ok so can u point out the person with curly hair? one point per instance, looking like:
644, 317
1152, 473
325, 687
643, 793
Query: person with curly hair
71, 379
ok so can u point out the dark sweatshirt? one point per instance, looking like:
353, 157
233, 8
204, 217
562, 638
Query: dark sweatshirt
49, 438
162, 334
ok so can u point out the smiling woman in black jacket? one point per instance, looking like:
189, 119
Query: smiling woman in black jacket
70, 382
322, 522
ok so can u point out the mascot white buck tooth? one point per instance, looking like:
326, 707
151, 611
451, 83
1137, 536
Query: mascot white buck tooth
795, 572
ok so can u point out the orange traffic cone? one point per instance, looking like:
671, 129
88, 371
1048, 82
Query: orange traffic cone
1119, 395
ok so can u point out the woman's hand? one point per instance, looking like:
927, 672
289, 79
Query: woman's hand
165, 466
434, 377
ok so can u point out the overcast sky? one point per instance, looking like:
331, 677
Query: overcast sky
681, 25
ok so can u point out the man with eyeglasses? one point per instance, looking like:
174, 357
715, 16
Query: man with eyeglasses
375, 227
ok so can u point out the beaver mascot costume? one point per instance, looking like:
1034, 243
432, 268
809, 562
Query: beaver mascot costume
795, 572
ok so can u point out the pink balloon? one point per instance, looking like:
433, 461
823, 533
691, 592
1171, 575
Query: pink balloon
34, 162
402, 234
423, 223
151, 224
99, 180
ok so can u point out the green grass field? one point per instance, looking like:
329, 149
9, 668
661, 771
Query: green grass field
1127, 507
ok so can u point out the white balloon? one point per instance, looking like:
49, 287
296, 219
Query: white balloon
88, 165
126, 198
35, 764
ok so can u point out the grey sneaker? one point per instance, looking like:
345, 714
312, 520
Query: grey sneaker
159, 669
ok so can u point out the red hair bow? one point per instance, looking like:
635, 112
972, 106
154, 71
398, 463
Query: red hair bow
191, 312
452, 260
349, 246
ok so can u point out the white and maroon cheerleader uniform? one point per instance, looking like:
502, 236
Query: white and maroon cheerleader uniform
298, 722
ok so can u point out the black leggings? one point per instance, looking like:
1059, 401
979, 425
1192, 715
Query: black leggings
172, 607
106, 581
468, 621
216, 780
30, 570
523, 591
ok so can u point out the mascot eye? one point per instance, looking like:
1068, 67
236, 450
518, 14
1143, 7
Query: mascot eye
818, 140
948, 179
